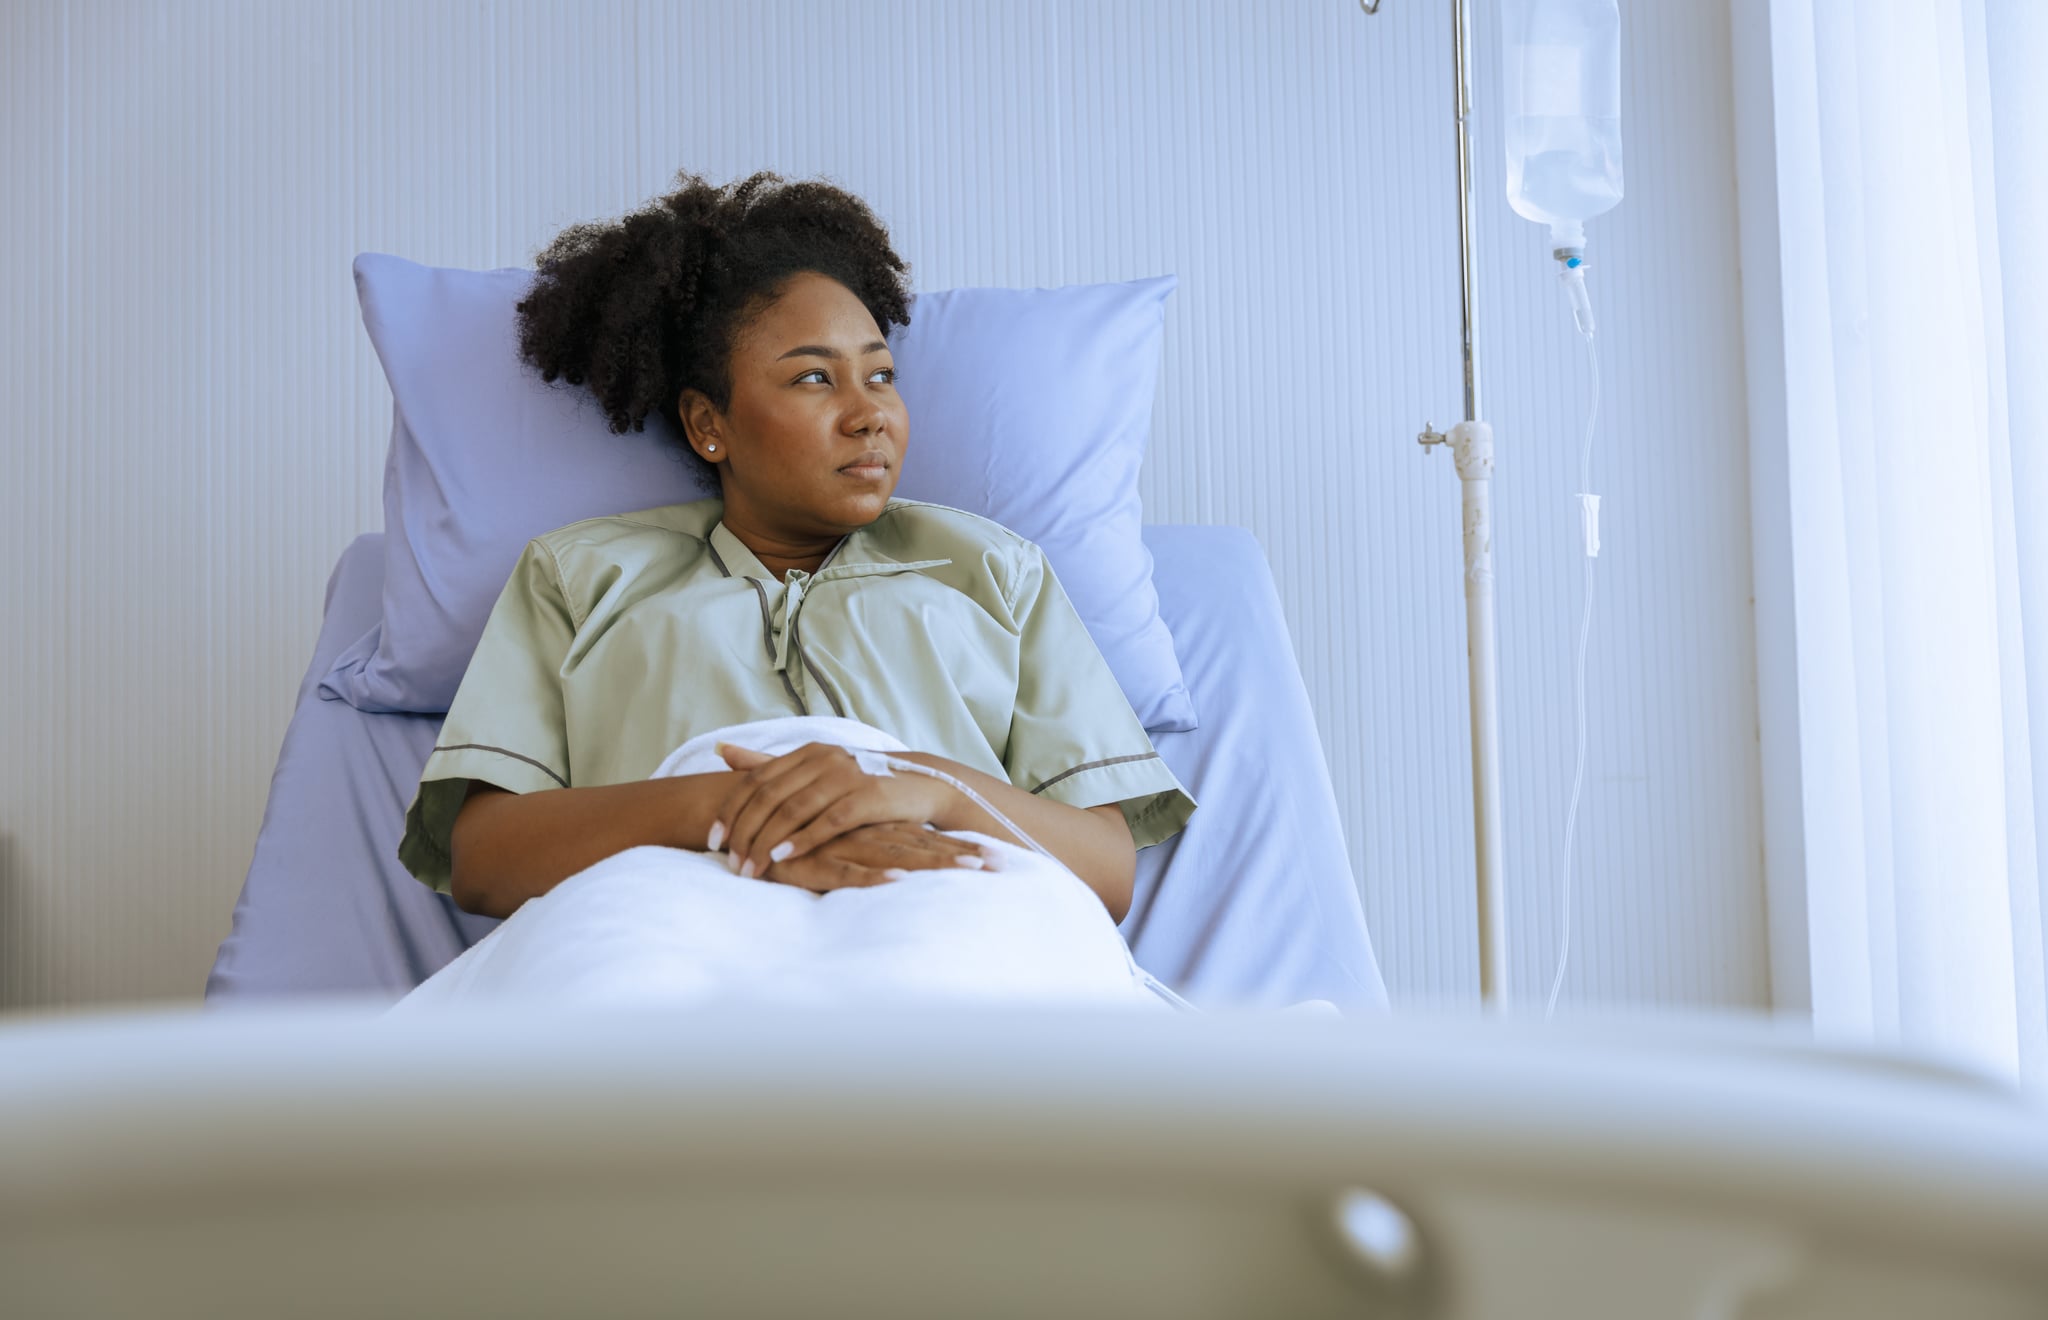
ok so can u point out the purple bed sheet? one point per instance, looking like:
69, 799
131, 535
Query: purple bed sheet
1219, 912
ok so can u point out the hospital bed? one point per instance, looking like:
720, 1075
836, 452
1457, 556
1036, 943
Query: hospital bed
288, 1151
1253, 903
313, 1159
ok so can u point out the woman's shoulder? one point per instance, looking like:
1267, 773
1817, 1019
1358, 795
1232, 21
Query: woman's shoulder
667, 527
692, 520
915, 529
985, 559
588, 554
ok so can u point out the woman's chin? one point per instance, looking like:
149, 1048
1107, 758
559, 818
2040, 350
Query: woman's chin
860, 508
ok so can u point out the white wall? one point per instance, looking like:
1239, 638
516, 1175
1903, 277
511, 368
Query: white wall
195, 425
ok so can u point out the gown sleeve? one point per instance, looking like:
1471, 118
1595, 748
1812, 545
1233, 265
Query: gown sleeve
506, 725
1073, 736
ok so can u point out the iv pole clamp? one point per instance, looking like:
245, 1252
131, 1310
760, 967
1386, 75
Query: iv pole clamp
1471, 443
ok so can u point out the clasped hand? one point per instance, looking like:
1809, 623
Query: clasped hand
814, 819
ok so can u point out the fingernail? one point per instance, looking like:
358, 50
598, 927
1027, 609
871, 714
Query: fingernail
716, 837
971, 863
894, 873
781, 851
747, 869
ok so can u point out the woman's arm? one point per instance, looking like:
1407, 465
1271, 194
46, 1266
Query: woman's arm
508, 847
1094, 842
786, 806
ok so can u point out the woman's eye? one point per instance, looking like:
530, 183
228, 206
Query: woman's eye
822, 377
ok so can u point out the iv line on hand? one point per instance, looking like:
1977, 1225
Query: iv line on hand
881, 763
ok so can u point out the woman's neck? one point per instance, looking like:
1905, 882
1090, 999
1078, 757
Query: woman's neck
780, 567
778, 552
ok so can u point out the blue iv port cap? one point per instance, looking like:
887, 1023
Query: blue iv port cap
1573, 263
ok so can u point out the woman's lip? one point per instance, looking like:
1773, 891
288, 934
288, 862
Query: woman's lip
865, 469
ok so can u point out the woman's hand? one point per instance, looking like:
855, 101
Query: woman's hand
783, 807
874, 855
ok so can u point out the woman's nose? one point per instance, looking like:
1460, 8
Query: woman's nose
865, 416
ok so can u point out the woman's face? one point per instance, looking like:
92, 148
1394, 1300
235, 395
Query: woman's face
812, 439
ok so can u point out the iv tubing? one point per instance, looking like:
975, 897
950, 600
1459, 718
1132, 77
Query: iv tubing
901, 766
1585, 625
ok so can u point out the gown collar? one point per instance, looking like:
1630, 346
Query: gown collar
735, 560
738, 561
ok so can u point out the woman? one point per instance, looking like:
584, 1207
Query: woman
753, 318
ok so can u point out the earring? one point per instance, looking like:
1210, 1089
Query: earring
712, 448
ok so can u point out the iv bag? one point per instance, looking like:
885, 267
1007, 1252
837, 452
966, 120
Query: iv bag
1562, 63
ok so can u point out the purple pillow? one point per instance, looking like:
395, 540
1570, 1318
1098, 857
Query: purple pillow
1028, 406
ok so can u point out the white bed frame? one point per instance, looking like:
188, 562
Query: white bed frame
319, 1160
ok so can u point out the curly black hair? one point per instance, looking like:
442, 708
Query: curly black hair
642, 308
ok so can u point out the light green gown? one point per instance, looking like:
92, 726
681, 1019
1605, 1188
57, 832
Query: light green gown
617, 639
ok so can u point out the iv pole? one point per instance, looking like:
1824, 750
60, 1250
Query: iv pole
1471, 443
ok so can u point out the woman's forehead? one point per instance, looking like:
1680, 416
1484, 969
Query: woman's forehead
811, 309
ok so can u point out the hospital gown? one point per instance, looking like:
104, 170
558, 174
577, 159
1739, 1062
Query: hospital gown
617, 639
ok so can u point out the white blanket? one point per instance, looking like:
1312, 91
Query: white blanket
667, 924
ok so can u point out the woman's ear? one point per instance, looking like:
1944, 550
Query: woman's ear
702, 426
